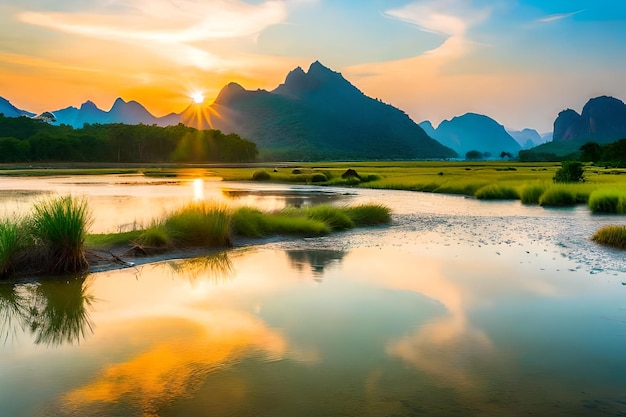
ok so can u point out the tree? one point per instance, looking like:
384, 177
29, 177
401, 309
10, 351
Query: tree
506, 155
591, 152
570, 171
473, 155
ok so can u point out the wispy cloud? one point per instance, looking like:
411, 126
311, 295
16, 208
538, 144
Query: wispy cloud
558, 16
168, 26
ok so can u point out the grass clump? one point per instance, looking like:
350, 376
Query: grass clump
608, 201
369, 214
531, 193
614, 236
260, 175
60, 225
106, 241
12, 244
334, 217
496, 192
197, 225
251, 222
557, 197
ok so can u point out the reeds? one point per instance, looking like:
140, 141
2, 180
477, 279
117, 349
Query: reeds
531, 193
369, 214
12, 244
613, 236
59, 226
199, 225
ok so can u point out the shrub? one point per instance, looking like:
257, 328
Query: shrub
199, 225
531, 193
496, 192
614, 236
570, 171
318, 177
260, 175
557, 197
608, 201
61, 224
369, 214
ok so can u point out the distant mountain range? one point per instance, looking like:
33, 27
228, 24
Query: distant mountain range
473, 132
318, 114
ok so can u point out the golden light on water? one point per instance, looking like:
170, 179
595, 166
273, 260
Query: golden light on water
198, 189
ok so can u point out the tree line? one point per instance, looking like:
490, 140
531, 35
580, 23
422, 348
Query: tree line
23, 139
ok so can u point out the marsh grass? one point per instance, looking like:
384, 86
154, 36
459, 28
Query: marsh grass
496, 192
12, 244
199, 225
608, 201
106, 241
531, 193
335, 217
614, 236
251, 222
59, 225
562, 195
369, 214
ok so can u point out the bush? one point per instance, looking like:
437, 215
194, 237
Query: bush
570, 171
496, 192
531, 193
557, 197
260, 175
614, 236
318, 177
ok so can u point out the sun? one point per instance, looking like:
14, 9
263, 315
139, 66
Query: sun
197, 97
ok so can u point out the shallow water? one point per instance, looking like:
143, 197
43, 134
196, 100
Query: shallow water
459, 307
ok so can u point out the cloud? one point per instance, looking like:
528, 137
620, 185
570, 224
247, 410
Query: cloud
559, 16
170, 28
448, 17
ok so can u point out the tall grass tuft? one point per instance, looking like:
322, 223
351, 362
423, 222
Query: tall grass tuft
199, 225
557, 197
531, 193
496, 192
334, 217
608, 201
12, 244
61, 224
369, 214
251, 222
614, 236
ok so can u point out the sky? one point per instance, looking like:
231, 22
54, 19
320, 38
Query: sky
518, 61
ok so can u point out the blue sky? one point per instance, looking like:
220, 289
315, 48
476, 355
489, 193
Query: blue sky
518, 61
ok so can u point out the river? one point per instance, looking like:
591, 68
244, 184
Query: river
457, 308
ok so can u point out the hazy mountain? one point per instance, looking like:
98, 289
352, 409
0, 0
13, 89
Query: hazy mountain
603, 120
10, 110
318, 114
527, 138
130, 112
474, 132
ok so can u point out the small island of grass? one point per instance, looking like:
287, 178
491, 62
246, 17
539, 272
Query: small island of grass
613, 236
54, 240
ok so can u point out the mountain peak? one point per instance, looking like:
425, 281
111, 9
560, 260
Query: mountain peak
229, 92
89, 105
319, 80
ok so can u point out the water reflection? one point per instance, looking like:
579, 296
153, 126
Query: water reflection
54, 312
215, 267
317, 261
282, 198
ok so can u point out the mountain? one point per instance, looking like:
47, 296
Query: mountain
527, 138
316, 115
603, 120
10, 110
474, 132
128, 112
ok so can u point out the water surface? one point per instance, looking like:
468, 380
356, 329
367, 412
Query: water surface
459, 307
